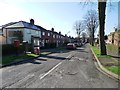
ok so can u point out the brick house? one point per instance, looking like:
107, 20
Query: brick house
52, 37
111, 38
114, 37
117, 37
32, 33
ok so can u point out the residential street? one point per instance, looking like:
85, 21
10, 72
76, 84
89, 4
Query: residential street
64, 69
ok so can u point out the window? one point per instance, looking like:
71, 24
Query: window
48, 34
46, 41
36, 42
43, 41
28, 31
37, 32
43, 33
53, 36
1, 31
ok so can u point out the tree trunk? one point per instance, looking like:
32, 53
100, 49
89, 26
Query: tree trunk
101, 11
92, 34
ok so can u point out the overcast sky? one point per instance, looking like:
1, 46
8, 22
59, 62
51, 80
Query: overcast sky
60, 15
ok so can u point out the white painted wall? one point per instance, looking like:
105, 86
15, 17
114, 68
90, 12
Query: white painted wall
30, 32
27, 33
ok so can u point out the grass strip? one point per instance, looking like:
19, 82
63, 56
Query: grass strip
114, 69
12, 58
97, 52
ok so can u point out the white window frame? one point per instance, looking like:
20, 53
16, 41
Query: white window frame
37, 32
48, 34
43, 33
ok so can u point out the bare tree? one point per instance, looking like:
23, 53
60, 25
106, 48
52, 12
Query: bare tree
79, 27
84, 36
91, 23
101, 13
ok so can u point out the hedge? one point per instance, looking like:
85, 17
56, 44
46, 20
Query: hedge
9, 49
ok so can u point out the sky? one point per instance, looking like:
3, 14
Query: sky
59, 15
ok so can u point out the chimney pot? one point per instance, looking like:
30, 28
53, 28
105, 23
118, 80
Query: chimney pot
52, 29
59, 32
32, 21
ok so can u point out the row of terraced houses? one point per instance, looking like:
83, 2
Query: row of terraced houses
32, 33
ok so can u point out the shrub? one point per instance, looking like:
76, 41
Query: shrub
9, 49
50, 45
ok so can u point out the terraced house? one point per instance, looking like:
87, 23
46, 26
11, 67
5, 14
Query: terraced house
32, 34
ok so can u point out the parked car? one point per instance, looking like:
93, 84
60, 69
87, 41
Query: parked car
78, 44
71, 46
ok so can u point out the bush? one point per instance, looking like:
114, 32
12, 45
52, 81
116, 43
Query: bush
50, 45
9, 49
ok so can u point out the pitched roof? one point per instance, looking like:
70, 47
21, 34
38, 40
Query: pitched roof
22, 24
8, 24
40, 27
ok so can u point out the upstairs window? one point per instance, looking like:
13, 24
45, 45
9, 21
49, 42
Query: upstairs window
43, 33
28, 31
48, 34
37, 33
53, 36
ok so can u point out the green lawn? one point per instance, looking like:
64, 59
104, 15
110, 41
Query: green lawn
9, 59
112, 47
97, 52
114, 69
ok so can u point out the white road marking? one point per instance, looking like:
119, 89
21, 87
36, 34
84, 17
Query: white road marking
50, 71
53, 68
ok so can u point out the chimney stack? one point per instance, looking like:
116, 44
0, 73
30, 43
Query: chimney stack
52, 29
59, 32
32, 21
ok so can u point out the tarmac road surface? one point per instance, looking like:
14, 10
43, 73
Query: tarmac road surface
67, 69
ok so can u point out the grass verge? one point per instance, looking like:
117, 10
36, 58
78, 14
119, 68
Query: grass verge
114, 69
10, 59
97, 53
112, 47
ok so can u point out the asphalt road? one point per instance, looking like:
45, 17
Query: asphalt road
64, 69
